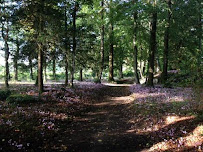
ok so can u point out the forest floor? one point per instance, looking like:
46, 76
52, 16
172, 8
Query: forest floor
98, 118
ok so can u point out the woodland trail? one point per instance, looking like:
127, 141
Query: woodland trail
104, 126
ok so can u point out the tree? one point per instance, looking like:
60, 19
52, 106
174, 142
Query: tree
152, 49
75, 8
166, 43
111, 42
6, 12
102, 41
135, 16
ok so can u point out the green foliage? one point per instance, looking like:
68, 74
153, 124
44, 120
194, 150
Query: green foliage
97, 80
4, 94
22, 99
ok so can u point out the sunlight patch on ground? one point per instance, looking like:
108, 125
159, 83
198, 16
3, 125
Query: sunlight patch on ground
116, 101
123, 100
117, 85
155, 125
195, 139
175, 119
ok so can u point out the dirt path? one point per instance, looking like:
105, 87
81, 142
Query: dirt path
104, 125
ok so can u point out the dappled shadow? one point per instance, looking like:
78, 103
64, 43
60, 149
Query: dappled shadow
108, 127
112, 122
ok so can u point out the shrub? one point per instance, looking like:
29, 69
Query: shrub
4, 94
97, 80
19, 98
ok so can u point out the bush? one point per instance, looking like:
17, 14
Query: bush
4, 94
19, 98
97, 80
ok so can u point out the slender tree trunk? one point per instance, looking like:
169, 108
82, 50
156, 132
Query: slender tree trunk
40, 68
66, 48
200, 58
102, 42
66, 73
81, 78
74, 44
16, 59
54, 66
137, 80
152, 50
111, 56
31, 70
6, 47
166, 45
6, 63
45, 70
111, 51
121, 71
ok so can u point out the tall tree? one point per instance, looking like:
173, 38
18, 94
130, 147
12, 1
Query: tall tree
16, 58
102, 41
166, 43
66, 43
75, 8
152, 49
135, 17
111, 42
5, 24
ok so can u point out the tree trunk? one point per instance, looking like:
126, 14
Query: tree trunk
102, 42
137, 80
16, 59
111, 51
111, 54
31, 70
45, 70
5, 37
166, 45
152, 49
66, 73
6, 63
121, 71
40, 68
40, 49
81, 78
66, 48
200, 58
54, 66
74, 44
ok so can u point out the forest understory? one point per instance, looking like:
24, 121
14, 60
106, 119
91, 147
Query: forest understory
96, 118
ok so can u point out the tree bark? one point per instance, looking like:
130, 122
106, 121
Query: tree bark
152, 49
31, 70
81, 78
111, 51
135, 16
54, 65
66, 48
6, 48
200, 58
166, 44
16, 57
121, 71
66, 72
74, 44
102, 42
40, 50
40, 69
45, 62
